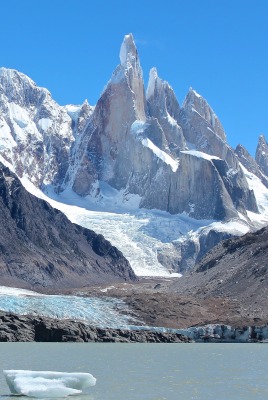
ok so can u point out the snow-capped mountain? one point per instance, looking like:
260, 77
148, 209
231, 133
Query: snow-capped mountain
140, 156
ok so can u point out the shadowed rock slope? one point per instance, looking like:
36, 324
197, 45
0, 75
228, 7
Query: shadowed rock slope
40, 247
235, 269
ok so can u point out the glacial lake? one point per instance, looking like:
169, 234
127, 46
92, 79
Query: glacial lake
149, 371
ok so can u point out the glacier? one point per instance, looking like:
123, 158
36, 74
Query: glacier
46, 384
144, 235
99, 312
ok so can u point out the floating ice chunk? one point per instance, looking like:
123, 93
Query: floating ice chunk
47, 383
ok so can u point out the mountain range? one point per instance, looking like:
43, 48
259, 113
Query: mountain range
139, 155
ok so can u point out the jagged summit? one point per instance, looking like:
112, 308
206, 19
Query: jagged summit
128, 51
262, 143
153, 84
13, 76
262, 154
9, 73
249, 163
194, 102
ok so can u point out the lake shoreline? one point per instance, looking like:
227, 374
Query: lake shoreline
26, 328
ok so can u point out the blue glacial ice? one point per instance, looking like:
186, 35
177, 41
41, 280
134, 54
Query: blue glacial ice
101, 312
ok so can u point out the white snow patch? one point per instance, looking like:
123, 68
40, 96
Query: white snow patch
24, 126
261, 195
126, 49
171, 120
138, 127
11, 291
47, 384
161, 154
73, 111
211, 130
195, 93
6, 140
195, 111
154, 83
45, 123
19, 115
200, 154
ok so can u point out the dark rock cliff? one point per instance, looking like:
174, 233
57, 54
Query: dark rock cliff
40, 247
15, 328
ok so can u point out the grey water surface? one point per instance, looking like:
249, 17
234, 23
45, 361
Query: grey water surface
149, 371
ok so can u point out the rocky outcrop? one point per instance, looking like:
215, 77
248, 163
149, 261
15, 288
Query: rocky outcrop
40, 247
262, 154
164, 110
235, 269
250, 164
242, 251
192, 249
15, 328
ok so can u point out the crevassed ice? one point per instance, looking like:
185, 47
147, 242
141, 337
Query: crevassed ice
105, 312
140, 234
46, 384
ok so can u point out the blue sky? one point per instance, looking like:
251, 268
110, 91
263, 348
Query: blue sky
219, 47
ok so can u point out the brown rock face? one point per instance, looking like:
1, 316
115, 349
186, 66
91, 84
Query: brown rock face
234, 270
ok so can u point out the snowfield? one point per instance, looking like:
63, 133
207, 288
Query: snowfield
142, 234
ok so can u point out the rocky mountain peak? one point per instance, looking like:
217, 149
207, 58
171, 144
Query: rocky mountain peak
262, 145
163, 105
128, 51
154, 83
127, 81
18, 88
195, 103
9, 74
262, 154
249, 163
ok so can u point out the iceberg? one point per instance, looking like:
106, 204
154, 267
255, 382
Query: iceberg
47, 383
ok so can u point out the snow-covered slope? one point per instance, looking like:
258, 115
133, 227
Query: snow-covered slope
155, 243
158, 180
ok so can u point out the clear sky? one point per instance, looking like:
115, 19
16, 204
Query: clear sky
219, 47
